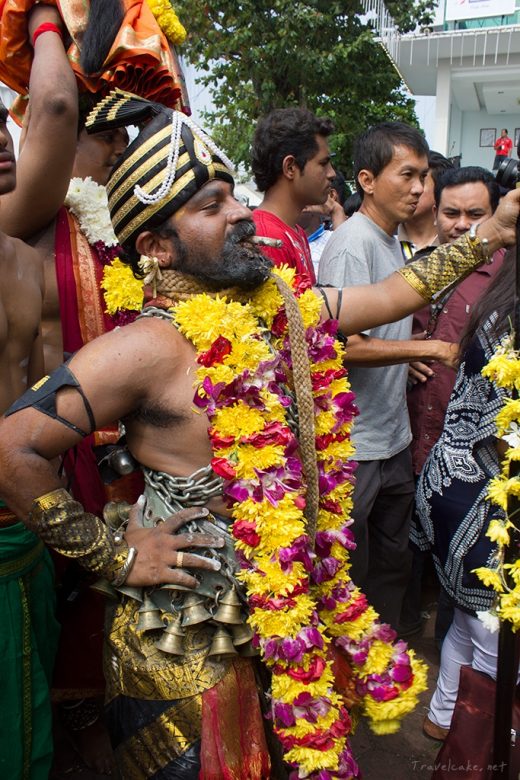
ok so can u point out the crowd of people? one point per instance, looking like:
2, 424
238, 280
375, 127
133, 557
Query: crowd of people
187, 529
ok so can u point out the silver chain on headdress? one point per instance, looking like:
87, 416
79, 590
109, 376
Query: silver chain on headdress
178, 120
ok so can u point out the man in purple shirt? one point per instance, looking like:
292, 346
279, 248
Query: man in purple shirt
463, 197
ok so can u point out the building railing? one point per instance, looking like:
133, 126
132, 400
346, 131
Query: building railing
385, 28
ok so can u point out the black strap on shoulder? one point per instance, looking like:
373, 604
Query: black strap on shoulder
42, 396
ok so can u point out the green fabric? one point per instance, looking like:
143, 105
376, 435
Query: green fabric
28, 640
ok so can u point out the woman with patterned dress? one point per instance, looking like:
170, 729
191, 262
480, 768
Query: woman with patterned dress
452, 505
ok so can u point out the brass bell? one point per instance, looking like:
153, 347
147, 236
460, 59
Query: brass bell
115, 513
149, 616
241, 634
222, 644
172, 639
229, 608
194, 611
248, 651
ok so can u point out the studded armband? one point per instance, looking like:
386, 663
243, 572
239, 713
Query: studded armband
64, 525
445, 266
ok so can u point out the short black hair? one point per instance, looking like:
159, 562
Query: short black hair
374, 148
282, 132
469, 174
437, 164
339, 184
352, 204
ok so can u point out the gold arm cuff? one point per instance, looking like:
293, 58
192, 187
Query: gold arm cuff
443, 268
413, 280
52, 499
62, 523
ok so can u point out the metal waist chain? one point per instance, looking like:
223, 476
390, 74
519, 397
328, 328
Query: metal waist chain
181, 492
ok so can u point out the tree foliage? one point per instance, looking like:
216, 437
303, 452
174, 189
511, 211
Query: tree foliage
258, 55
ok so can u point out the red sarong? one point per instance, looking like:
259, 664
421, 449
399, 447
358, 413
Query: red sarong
79, 271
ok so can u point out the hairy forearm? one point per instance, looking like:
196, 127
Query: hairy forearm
374, 352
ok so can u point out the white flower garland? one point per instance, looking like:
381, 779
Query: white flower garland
89, 203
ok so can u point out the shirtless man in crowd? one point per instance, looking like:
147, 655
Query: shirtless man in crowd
196, 233
26, 576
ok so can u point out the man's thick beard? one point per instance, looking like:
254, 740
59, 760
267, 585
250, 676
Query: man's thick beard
238, 265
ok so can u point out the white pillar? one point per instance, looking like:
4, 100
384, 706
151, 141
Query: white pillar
442, 109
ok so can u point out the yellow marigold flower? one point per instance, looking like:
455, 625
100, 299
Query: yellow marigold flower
490, 578
310, 307
378, 658
499, 488
352, 628
313, 760
504, 370
287, 689
251, 458
247, 354
217, 373
238, 420
324, 422
385, 716
508, 413
168, 21
514, 570
273, 581
122, 289
202, 319
497, 531
509, 608
282, 623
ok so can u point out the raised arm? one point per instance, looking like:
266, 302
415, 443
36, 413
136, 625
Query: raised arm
49, 142
407, 290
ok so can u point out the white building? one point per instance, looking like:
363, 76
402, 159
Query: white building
470, 61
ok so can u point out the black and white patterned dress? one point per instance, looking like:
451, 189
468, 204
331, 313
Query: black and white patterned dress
451, 492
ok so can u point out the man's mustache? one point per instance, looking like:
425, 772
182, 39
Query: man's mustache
243, 229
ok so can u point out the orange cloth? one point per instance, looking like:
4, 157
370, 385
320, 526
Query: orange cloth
140, 60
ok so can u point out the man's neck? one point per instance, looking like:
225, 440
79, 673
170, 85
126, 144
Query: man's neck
282, 206
421, 231
380, 220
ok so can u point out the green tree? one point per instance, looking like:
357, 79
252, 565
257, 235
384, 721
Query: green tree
263, 54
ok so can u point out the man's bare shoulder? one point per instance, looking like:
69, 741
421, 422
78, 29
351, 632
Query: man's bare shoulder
150, 344
19, 260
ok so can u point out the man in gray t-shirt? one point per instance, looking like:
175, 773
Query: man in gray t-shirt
391, 163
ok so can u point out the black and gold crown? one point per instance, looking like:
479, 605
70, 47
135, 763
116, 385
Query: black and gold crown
165, 165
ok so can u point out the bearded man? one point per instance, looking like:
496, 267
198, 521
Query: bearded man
242, 527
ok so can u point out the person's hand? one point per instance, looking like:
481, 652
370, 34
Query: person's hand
500, 229
447, 354
42, 13
160, 551
419, 372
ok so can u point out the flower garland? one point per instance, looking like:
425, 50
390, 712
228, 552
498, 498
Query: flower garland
168, 21
123, 292
504, 370
304, 607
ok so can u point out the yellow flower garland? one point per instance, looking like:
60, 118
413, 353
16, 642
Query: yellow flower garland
504, 370
122, 289
293, 598
168, 21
